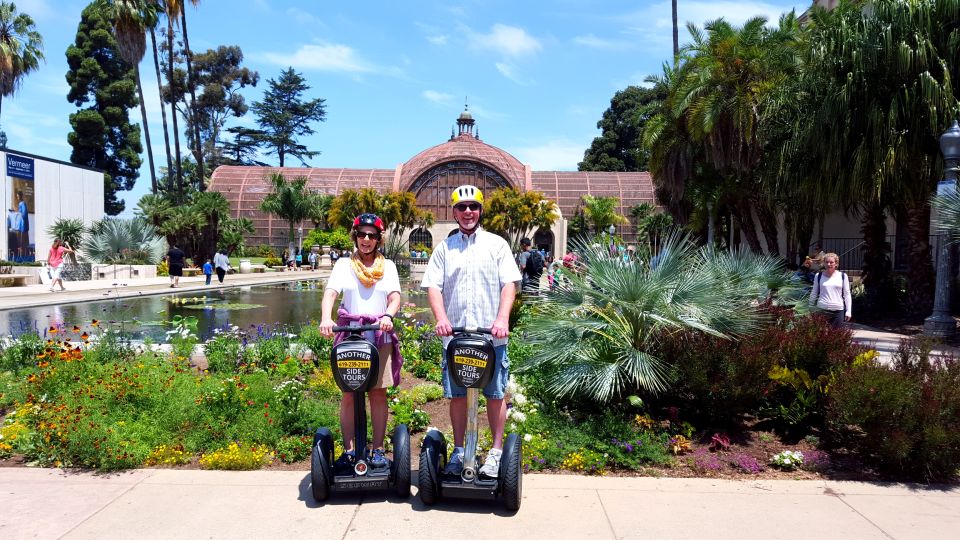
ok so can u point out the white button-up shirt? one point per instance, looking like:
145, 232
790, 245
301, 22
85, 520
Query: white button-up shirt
470, 270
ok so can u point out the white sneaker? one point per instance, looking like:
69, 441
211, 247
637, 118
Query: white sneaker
455, 465
491, 467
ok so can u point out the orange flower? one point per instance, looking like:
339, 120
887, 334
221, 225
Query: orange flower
95, 322
84, 336
53, 330
76, 329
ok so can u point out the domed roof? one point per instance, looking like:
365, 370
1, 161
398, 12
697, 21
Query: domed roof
463, 147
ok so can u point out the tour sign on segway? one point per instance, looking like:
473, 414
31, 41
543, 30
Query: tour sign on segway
356, 363
470, 360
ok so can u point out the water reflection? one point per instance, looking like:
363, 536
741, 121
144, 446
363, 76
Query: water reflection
148, 317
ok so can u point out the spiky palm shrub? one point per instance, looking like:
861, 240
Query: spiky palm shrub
596, 334
128, 241
70, 231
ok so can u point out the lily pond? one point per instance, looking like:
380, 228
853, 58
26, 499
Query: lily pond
151, 317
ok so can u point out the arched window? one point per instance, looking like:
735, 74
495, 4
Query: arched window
543, 239
433, 187
421, 236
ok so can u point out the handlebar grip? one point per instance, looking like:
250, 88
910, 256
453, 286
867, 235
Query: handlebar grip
362, 328
462, 329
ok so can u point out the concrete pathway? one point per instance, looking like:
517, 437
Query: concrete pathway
887, 343
45, 503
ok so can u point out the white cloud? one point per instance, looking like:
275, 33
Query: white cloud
507, 40
594, 42
438, 39
510, 72
305, 18
437, 97
554, 155
322, 57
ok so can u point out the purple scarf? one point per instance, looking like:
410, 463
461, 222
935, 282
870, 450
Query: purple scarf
344, 318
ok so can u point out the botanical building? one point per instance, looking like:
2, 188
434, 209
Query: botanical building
431, 175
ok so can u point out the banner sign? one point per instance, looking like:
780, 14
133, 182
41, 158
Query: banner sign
19, 167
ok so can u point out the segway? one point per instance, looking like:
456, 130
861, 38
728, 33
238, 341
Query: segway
355, 363
470, 360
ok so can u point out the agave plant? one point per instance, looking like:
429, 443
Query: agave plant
597, 331
128, 241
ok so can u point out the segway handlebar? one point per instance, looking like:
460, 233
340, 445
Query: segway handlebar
471, 329
362, 328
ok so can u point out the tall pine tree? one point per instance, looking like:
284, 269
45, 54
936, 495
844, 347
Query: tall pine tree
283, 115
102, 83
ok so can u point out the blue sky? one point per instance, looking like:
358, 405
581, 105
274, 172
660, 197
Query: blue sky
537, 74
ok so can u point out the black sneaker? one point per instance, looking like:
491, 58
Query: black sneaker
345, 461
379, 459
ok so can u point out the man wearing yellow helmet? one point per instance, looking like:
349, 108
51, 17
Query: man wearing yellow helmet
471, 281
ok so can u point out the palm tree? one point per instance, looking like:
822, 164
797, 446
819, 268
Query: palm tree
598, 331
163, 108
213, 206
197, 149
131, 18
887, 81
676, 34
21, 49
172, 8
733, 72
291, 201
601, 212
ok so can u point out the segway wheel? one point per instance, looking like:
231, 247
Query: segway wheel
401, 461
511, 472
320, 461
432, 457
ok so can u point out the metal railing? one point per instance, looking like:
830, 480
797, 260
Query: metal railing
851, 251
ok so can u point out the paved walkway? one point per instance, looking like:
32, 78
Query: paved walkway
44, 503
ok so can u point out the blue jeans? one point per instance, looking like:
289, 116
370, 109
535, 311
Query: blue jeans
494, 389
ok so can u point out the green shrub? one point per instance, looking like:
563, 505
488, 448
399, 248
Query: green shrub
292, 449
903, 419
272, 261
320, 346
20, 353
224, 353
424, 393
265, 251
719, 380
403, 410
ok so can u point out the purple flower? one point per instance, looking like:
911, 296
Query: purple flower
629, 447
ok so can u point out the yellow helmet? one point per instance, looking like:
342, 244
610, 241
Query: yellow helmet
466, 193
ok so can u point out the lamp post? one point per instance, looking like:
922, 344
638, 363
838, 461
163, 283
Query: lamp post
941, 323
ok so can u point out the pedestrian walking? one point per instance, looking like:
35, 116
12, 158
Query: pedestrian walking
55, 263
208, 271
222, 264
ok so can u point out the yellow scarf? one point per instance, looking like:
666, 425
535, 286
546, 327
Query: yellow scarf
369, 276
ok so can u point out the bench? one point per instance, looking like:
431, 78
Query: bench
16, 280
258, 268
278, 268
190, 272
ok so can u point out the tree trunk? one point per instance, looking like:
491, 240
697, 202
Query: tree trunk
711, 227
744, 216
920, 273
197, 147
768, 224
173, 109
163, 109
146, 131
876, 259
676, 33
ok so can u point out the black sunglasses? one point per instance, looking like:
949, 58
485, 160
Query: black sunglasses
463, 207
368, 235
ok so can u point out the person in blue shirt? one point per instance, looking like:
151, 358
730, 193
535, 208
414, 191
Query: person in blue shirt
208, 270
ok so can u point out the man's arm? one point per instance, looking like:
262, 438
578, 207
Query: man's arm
501, 326
435, 297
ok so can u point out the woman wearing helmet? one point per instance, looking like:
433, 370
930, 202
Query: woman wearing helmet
471, 281
371, 293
